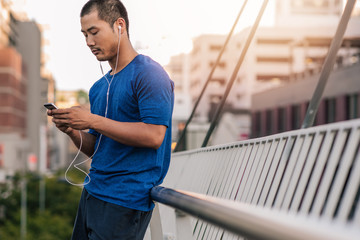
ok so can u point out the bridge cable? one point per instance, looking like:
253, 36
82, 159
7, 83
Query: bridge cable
182, 135
234, 74
328, 65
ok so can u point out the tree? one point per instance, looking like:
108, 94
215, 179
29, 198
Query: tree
82, 97
55, 223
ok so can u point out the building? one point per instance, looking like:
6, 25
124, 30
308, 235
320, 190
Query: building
13, 98
178, 72
23, 91
47, 89
28, 44
299, 13
284, 108
205, 51
293, 49
12, 93
13, 112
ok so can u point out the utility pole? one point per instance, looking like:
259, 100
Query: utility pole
23, 207
23, 217
42, 167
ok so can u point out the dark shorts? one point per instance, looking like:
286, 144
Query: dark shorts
97, 220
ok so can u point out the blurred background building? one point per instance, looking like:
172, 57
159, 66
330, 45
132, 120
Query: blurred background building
270, 95
290, 53
302, 54
24, 87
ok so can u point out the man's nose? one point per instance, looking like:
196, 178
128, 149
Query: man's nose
90, 41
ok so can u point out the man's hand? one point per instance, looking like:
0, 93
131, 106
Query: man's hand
137, 134
61, 127
67, 119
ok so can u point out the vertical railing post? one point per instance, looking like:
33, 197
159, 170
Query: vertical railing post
155, 224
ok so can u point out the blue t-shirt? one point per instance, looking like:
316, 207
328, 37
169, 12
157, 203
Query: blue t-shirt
121, 174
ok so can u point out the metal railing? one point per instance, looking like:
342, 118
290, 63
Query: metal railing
303, 184
248, 220
311, 173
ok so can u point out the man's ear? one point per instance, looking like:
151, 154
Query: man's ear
120, 22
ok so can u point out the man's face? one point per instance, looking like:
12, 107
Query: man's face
100, 37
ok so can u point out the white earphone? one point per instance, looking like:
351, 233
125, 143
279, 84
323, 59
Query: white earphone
81, 140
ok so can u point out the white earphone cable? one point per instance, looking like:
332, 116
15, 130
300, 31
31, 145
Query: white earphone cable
105, 115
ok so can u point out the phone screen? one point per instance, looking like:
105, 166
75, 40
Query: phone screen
50, 106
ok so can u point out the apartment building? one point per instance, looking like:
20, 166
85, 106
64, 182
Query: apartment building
283, 108
12, 93
23, 124
291, 50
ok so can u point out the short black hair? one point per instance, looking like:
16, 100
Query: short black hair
108, 10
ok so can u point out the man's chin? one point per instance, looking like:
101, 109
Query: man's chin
101, 58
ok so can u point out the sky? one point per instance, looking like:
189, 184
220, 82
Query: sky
158, 28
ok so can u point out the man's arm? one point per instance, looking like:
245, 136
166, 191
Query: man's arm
88, 141
137, 134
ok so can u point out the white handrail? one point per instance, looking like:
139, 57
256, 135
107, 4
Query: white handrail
252, 221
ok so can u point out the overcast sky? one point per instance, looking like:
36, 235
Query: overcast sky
158, 28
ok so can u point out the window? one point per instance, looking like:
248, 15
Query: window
220, 64
269, 122
195, 83
215, 47
281, 124
273, 41
330, 110
295, 117
352, 106
274, 59
195, 67
214, 98
257, 124
219, 81
316, 6
261, 77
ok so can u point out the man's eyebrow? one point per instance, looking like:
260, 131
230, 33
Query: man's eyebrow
89, 29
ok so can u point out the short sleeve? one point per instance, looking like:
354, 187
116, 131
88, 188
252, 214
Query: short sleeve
93, 132
155, 96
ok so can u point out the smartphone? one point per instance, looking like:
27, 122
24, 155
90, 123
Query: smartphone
50, 106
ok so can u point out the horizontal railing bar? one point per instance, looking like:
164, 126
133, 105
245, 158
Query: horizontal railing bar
251, 221
311, 130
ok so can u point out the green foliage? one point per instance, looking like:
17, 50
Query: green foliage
55, 223
82, 97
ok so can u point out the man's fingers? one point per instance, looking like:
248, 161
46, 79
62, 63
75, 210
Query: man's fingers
60, 111
60, 121
61, 116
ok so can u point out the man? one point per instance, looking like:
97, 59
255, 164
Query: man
132, 143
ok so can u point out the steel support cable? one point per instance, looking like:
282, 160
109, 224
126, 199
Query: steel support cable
328, 65
182, 135
235, 72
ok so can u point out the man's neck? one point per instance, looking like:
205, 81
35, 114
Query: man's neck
126, 55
